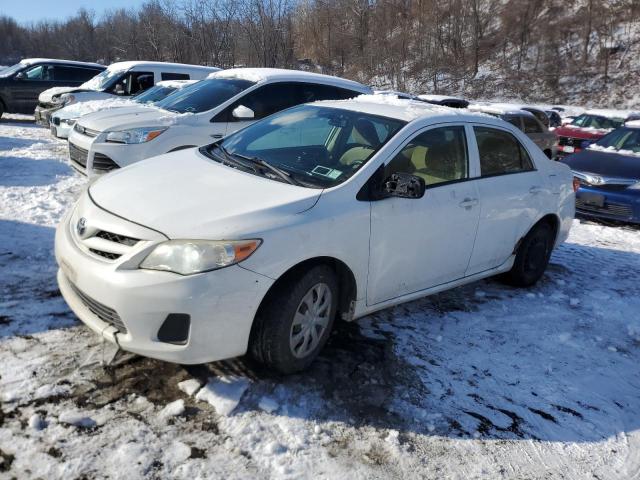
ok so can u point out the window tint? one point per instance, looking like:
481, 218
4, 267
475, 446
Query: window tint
513, 120
72, 74
500, 152
438, 155
275, 97
174, 76
541, 116
531, 126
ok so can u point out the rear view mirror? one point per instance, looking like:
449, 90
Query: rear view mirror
243, 113
404, 185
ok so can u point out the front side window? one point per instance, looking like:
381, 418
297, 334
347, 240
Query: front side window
315, 146
204, 95
438, 156
500, 152
135, 82
531, 126
39, 72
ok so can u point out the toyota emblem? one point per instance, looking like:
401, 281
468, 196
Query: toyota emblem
81, 226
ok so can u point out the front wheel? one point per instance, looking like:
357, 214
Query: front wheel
532, 257
295, 322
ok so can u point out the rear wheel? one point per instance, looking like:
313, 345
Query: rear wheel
295, 322
1, 108
532, 257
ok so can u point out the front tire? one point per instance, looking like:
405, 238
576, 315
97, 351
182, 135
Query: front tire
532, 257
295, 321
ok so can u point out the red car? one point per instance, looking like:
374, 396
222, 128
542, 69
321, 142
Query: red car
587, 128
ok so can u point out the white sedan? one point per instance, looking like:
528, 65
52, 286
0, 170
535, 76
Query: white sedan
325, 211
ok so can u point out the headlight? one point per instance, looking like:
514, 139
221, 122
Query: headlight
69, 121
66, 99
135, 135
187, 257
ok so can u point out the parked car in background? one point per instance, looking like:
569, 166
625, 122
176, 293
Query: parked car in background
587, 128
568, 112
523, 120
63, 120
223, 103
608, 175
21, 83
331, 210
444, 100
119, 80
536, 111
396, 93
555, 120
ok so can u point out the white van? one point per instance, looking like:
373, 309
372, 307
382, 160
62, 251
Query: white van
122, 79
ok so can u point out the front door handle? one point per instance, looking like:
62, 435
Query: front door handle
216, 135
535, 190
468, 203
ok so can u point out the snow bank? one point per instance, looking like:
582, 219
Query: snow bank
77, 419
173, 409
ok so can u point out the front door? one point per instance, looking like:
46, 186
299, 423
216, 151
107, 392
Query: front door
420, 243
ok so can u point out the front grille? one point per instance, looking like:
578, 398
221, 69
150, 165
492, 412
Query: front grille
116, 238
107, 255
614, 209
569, 141
104, 313
78, 155
103, 163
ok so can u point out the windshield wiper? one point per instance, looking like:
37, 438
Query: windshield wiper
283, 174
231, 161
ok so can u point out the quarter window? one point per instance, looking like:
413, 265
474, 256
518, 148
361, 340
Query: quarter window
438, 155
500, 152
73, 74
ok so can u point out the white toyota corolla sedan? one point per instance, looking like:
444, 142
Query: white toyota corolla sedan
325, 211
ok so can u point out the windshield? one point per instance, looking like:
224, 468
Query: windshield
204, 95
153, 94
7, 72
103, 80
315, 146
596, 121
622, 140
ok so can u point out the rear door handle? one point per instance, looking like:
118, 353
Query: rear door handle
468, 203
535, 190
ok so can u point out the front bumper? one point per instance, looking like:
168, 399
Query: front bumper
43, 114
221, 304
60, 129
619, 205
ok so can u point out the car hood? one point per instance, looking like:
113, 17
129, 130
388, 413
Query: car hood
606, 164
581, 133
187, 195
47, 95
128, 117
77, 110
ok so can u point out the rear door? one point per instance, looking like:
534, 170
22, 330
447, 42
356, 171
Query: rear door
509, 189
416, 244
72, 76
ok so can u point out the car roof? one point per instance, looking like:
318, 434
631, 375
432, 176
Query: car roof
439, 98
259, 75
610, 113
516, 106
633, 124
499, 109
176, 83
402, 109
31, 61
135, 63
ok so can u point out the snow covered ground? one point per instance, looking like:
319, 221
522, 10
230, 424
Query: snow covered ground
483, 381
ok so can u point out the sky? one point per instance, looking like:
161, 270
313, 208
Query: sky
27, 11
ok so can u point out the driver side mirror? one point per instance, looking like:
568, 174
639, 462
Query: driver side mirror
243, 113
20, 76
404, 185
119, 89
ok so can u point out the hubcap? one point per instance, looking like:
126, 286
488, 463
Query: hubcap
310, 321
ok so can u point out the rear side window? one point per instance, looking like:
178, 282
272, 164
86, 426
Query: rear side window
174, 76
73, 74
513, 120
531, 126
311, 92
438, 155
500, 152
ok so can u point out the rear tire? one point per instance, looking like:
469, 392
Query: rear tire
295, 321
532, 257
1, 108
